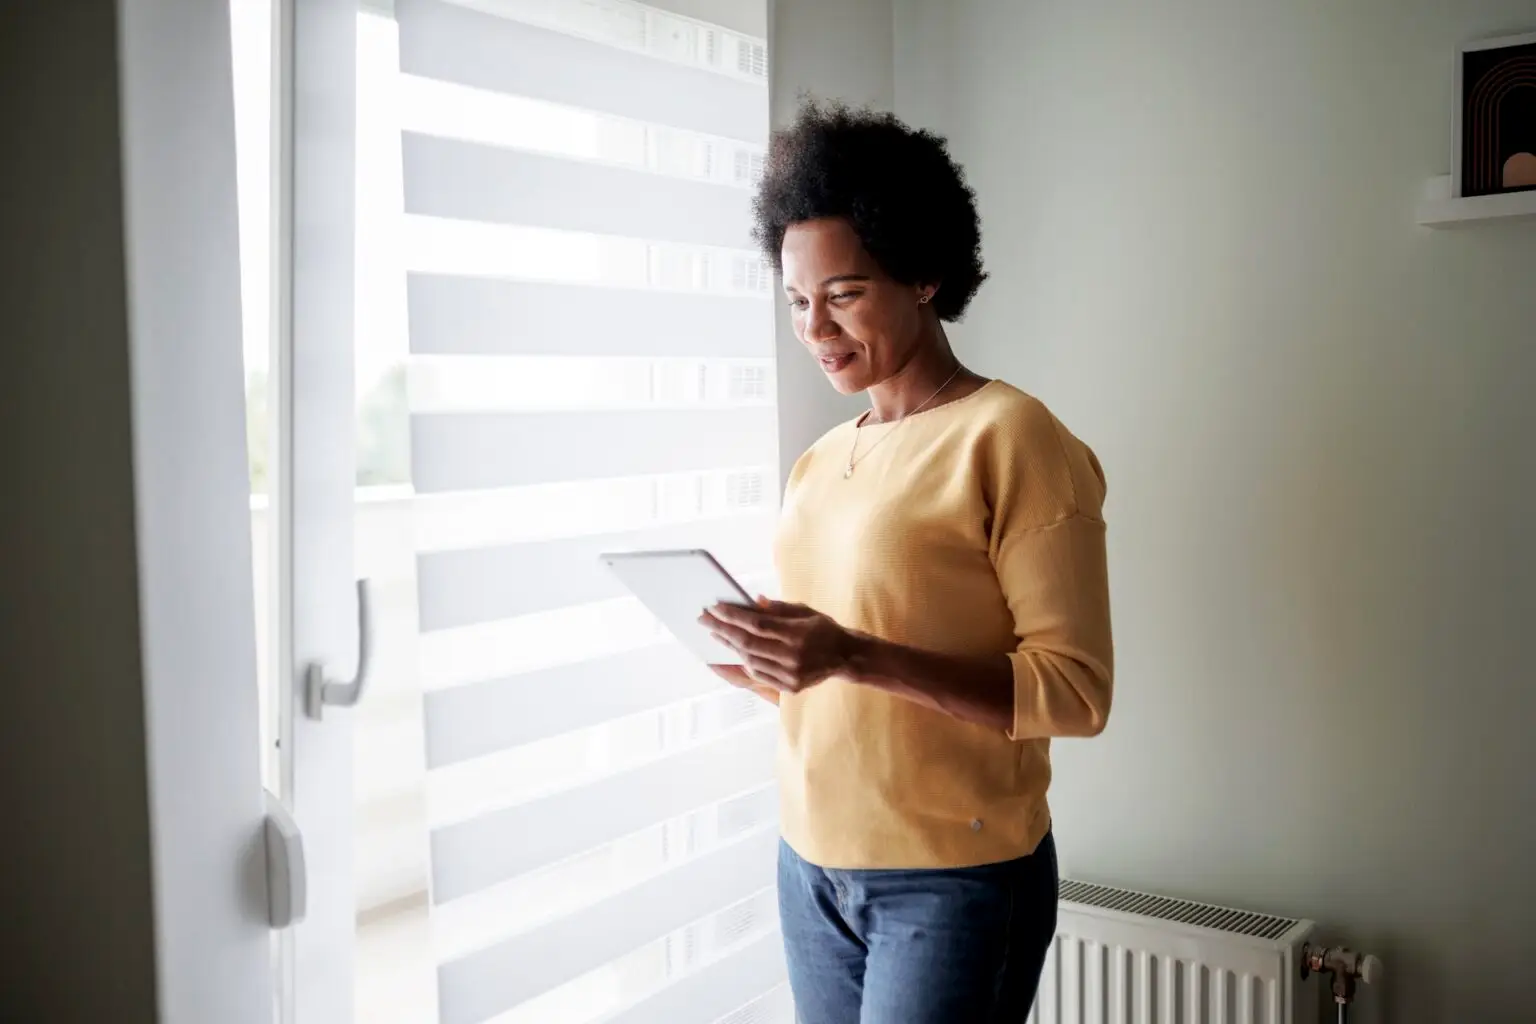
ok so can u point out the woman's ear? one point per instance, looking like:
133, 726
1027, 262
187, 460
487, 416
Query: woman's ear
925, 294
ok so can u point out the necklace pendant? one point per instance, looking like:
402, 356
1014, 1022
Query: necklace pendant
847, 472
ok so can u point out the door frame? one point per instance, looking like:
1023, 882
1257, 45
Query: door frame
180, 236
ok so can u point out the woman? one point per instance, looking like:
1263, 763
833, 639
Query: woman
943, 556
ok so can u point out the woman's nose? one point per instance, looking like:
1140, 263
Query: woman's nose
818, 327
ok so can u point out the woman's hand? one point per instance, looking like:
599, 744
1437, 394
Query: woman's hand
787, 647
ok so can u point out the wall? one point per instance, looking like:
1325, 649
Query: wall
1321, 447
838, 51
75, 868
132, 862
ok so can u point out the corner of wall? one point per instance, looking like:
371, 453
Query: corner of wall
831, 49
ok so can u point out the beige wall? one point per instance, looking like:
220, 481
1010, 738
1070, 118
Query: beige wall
1320, 438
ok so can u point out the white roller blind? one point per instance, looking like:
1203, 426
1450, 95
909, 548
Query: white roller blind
591, 369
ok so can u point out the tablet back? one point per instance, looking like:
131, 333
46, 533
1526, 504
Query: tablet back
676, 586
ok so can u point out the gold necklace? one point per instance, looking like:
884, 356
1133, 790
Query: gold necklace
854, 458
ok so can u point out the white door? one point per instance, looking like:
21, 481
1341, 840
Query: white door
526, 324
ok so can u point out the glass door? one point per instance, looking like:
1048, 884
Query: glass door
394, 974
515, 319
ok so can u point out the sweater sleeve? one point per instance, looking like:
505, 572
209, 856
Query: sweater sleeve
1048, 548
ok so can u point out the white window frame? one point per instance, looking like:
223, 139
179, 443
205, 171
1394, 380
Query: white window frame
315, 614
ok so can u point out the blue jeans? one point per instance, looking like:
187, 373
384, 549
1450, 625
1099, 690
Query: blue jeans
950, 946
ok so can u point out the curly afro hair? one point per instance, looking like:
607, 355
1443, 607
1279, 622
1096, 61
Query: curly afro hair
898, 187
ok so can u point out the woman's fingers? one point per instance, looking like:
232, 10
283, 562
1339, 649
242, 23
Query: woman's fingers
747, 642
784, 609
759, 622
753, 675
772, 640
762, 649
770, 673
736, 675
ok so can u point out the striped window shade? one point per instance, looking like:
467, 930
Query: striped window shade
591, 370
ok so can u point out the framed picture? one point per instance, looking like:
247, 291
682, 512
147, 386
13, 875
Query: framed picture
1496, 117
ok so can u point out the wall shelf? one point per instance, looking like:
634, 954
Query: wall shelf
1440, 209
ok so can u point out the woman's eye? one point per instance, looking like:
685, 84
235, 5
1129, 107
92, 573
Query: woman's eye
838, 297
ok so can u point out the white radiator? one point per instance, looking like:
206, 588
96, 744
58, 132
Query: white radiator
1124, 957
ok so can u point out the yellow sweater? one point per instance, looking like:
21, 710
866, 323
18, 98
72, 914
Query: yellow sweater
974, 528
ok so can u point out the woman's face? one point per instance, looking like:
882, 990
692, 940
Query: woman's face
859, 324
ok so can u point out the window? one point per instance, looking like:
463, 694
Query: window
750, 274
251, 56
563, 345
748, 168
752, 59
251, 52
560, 816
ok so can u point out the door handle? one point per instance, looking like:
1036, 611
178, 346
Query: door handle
286, 877
319, 690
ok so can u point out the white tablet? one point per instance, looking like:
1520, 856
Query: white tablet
676, 586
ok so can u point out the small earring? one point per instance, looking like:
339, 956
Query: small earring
923, 299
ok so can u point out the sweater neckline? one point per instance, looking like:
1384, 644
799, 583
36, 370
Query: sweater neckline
859, 424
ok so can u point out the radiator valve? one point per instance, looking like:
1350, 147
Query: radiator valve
1345, 966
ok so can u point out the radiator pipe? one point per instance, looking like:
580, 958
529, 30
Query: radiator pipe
1346, 967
